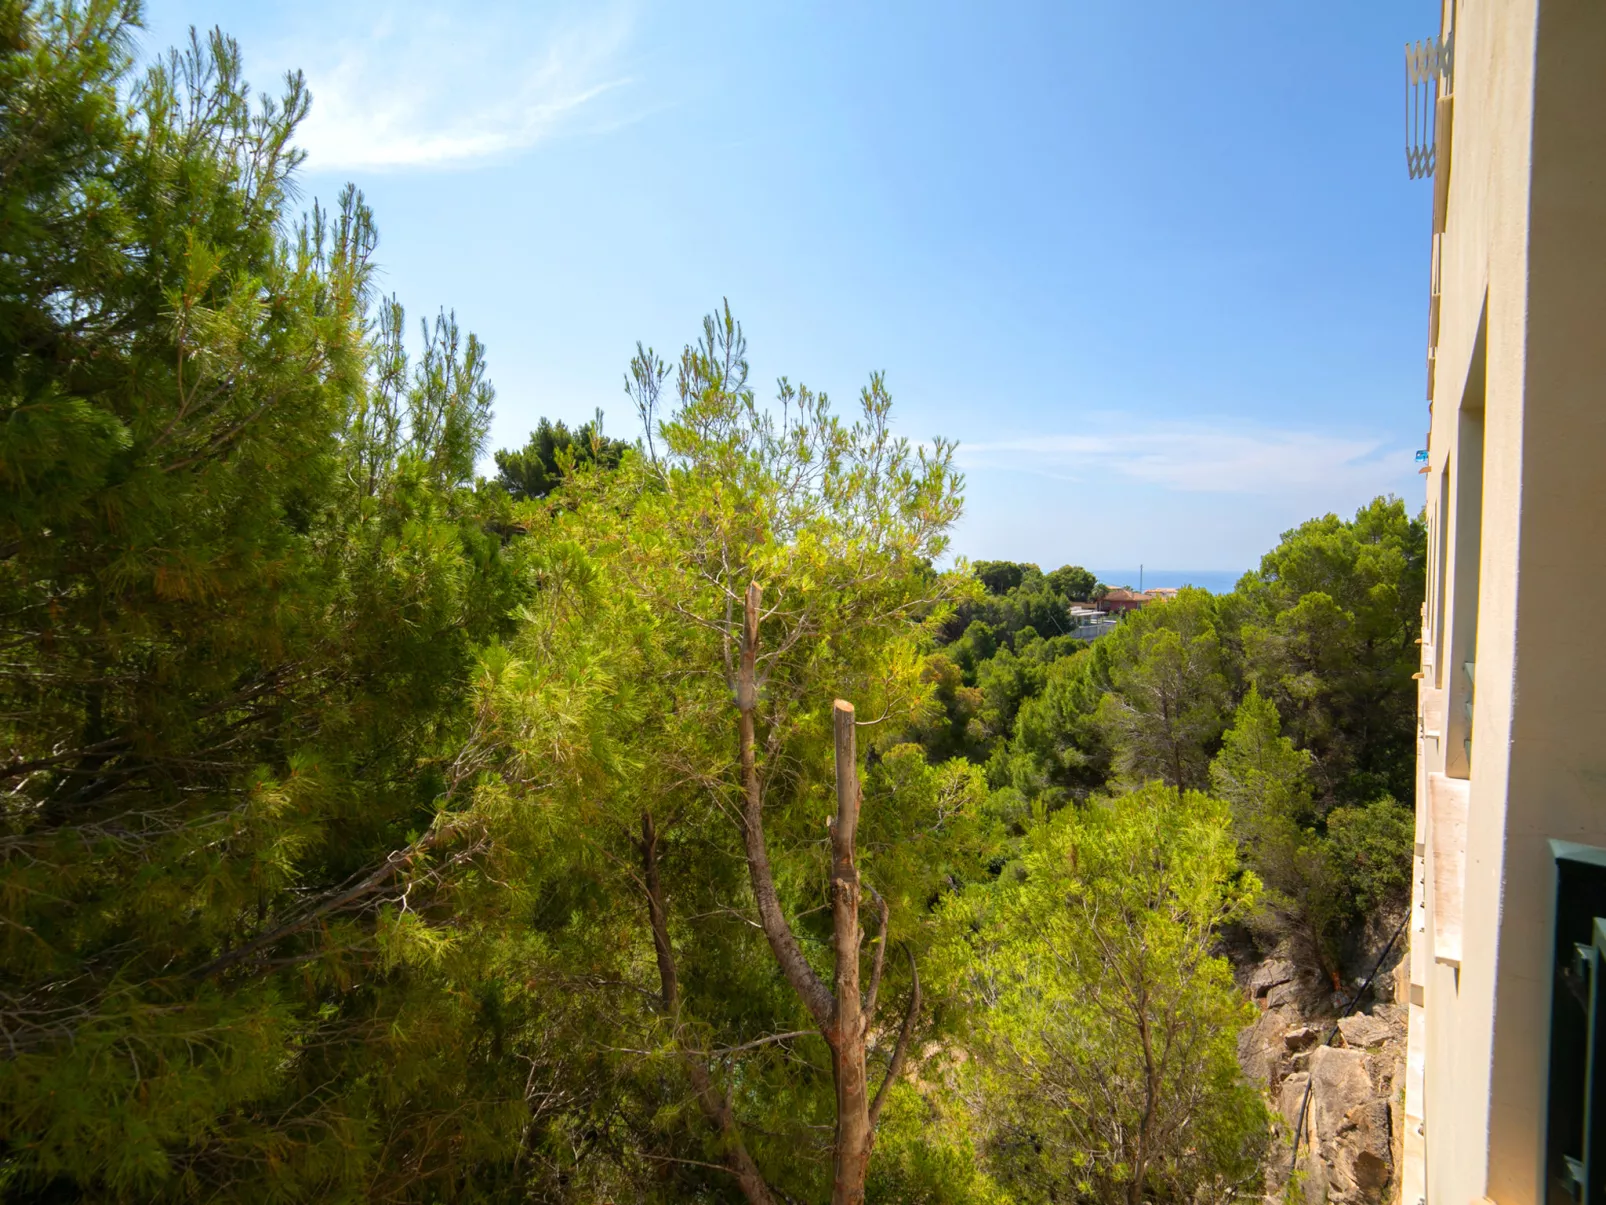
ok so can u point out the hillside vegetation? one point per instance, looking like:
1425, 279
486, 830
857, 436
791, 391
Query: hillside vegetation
375, 830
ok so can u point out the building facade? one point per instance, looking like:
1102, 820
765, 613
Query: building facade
1510, 867
1120, 600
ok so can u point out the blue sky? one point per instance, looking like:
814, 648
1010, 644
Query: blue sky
1157, 267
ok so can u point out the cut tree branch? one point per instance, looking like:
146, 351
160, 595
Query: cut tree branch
854, 1132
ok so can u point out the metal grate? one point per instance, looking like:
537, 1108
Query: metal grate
1576, 1117
1426, 63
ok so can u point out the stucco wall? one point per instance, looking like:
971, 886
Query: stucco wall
1526, 237
1556, 767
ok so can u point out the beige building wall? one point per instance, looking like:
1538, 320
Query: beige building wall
1516, 500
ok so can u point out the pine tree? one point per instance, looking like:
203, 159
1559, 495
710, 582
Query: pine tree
243, 572
1163, 713
1103, 1064
721, 591
537, 469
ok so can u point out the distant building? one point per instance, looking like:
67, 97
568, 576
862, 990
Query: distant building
1089, 623
1164, 593
1121, 600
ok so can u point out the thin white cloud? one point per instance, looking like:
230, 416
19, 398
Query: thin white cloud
1201, 458
446, 87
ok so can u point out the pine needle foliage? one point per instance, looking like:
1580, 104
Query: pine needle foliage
243, 571
371, 832
539, 467
1105, 1067
718, 1082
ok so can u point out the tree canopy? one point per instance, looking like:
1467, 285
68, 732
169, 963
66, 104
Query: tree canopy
1106, 1068
537, 469
659, 820
244, 570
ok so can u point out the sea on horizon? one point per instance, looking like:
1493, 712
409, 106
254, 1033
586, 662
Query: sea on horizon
1217, 581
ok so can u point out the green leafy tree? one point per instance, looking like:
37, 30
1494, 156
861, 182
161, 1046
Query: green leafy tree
1369, 849
1005, 577
1260, 774
1168, 690
243, 573
977, 645
925, 1156
1266, 783
753, 566
944, 730
1058, 750
1322, 876
979, 685
1072, 582
1329, 624
1105, 1065
538, 468
1014, 597
1005, 680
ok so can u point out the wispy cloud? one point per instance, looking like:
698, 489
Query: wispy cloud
1203, 458
446, 87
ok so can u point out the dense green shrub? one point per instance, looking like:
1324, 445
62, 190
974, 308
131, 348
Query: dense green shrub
1105, 1065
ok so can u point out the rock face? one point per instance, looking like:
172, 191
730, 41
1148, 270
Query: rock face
1361, 1031
1344, 1075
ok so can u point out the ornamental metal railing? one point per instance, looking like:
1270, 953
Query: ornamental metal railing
1427, 63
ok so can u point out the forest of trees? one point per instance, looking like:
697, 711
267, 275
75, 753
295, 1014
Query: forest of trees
662, 819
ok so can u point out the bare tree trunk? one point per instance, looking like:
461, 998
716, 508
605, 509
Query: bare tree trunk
853, 1134
843, 1020
714, 1104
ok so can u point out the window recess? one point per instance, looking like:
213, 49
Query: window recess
1576, 1124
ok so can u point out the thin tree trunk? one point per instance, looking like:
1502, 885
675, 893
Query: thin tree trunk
658, 917
714, 1104
901, 1049
853, 1134
843, 1019
808, 985
1151, 1100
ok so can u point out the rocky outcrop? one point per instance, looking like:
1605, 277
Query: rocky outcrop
1344, 1073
